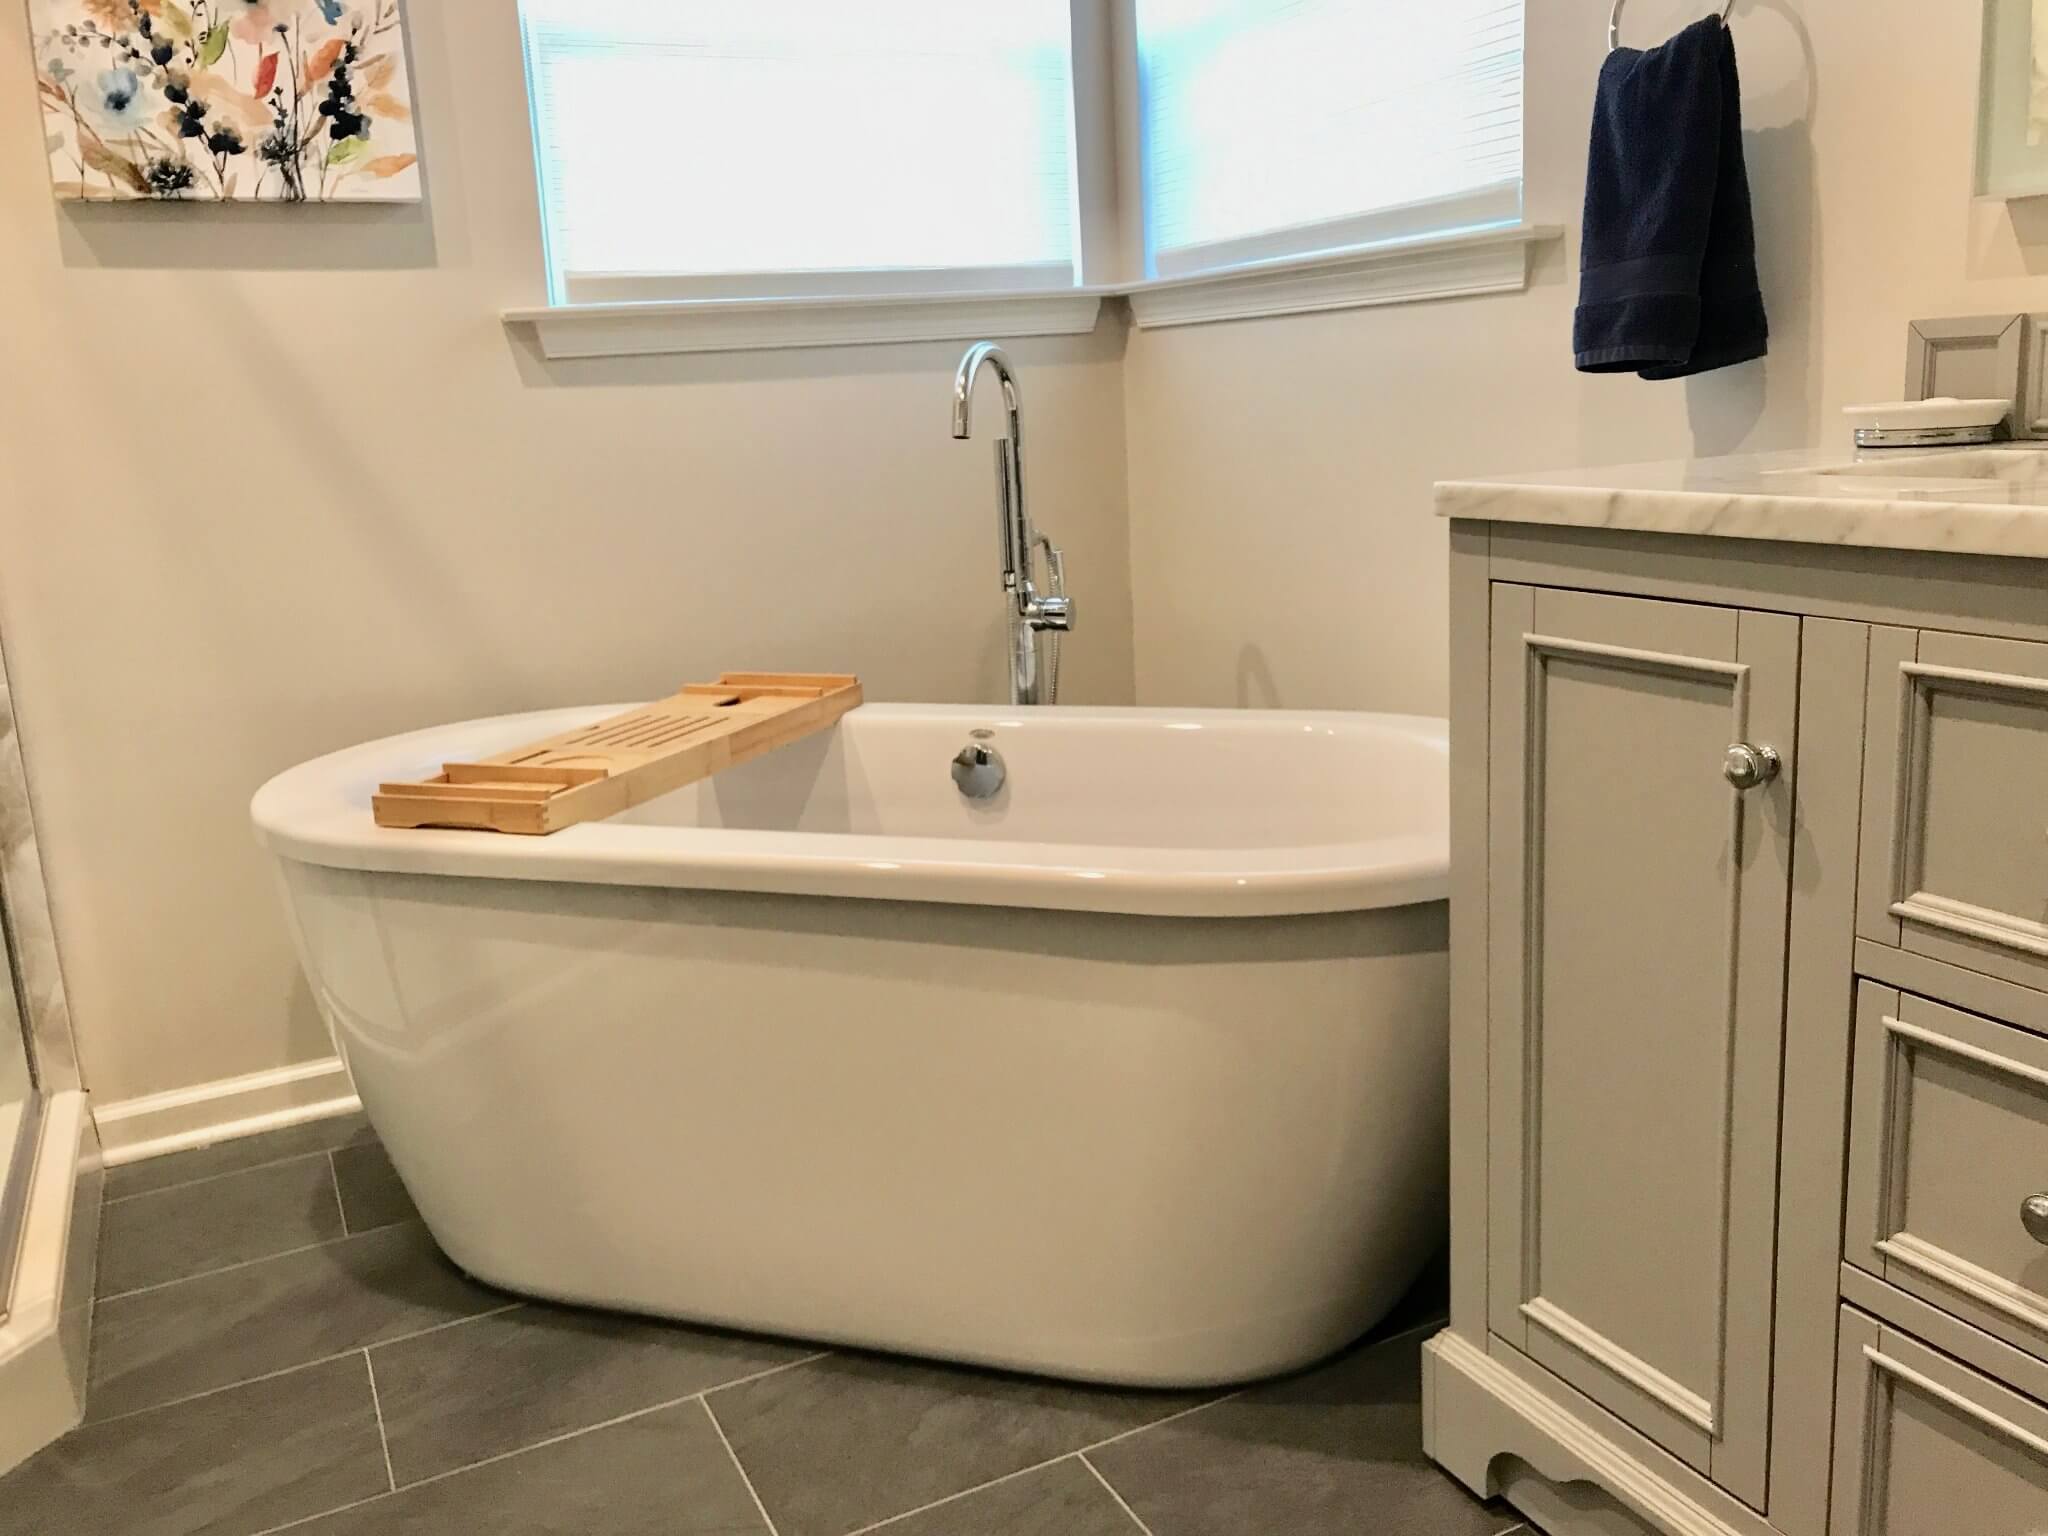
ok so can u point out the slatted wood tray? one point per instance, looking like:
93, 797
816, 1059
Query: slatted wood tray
599, 770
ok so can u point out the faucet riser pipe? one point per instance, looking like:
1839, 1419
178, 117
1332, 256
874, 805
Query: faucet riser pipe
1006, 509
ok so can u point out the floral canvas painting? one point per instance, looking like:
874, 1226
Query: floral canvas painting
292, 101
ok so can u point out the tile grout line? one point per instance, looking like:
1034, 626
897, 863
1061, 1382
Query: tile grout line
1084, 1452
438, 1477
538, 1445
228, 1269
92, 1298
303, 1365
209, 1178
297, 1521
1050, 1461
1434, 1325
718, 1429
406, 1338
1110, 1488
703, 1396
954, 1498
1171, 1418
383, 1436
340, 1205
761, 1375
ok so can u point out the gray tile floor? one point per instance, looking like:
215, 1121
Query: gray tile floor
279, 1346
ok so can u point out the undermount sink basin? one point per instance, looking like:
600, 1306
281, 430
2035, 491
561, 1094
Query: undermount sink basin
2013, 465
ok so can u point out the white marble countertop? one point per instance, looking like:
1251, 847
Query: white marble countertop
1983, 501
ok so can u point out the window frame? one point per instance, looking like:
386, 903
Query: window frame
1478, 211
1391, 256
571, 289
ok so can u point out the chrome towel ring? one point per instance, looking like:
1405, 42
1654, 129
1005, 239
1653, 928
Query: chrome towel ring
1614, 22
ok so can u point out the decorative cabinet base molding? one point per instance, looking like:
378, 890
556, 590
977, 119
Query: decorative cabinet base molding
1502, 1437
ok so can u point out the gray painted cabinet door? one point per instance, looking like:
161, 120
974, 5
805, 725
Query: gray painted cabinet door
1636, 975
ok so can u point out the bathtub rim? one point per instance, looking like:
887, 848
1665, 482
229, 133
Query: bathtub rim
318, 813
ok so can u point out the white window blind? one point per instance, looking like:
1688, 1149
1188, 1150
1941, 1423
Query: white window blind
800, 148
1280, 127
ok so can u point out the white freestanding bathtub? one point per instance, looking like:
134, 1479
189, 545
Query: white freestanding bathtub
1135, 1073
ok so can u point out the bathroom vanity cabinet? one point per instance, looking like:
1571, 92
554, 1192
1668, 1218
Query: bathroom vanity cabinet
1750, 999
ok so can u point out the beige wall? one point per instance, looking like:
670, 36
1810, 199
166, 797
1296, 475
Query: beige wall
275, 481
1283, 547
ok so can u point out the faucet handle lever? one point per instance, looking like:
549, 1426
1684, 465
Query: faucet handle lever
1054, 613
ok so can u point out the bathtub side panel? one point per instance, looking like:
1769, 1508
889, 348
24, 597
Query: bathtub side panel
1136, 1149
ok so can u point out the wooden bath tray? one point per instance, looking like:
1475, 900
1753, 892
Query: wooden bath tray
599, 770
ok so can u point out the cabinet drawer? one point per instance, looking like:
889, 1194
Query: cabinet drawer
1927, 1447
1955, 861
1948, 1137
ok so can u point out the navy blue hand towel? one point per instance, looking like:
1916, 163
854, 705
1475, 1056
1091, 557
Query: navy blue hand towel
1668, 284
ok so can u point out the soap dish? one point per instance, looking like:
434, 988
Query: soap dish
1938, 423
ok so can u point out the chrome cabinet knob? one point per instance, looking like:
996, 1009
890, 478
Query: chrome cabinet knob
1748, 767
2034, 1217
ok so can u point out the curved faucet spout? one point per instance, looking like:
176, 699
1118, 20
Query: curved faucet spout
1017, 531
963, 388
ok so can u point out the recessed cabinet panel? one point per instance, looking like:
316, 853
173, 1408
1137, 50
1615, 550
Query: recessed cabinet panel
1636, 975
1949, 1141
1927, 1447
1957, 802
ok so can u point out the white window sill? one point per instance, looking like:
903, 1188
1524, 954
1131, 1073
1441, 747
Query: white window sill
1405, 271
1394, 272
745, 325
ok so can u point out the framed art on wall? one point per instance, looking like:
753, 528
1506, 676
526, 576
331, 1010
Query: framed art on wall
2012, 104
289, 101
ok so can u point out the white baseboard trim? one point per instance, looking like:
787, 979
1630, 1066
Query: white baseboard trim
134, 1129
